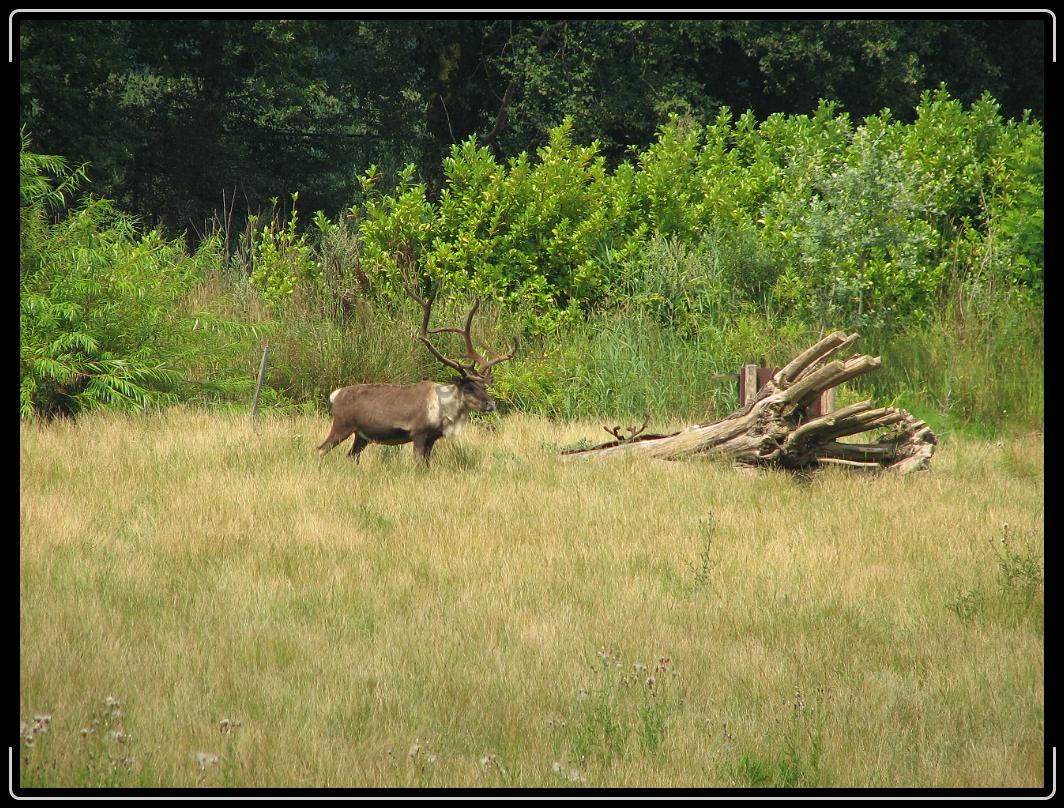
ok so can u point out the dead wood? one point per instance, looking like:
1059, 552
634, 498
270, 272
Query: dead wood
775, 429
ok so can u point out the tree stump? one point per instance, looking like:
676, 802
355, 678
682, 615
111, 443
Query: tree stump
775, 428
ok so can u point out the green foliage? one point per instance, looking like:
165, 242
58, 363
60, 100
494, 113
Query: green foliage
37, 176
197, 107
633, 289
761, 234
273, 104
101, 318
393, 228
857, 227
532, 234
1015, 207
281, 257
863, 246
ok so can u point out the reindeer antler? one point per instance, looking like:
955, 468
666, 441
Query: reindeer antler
483, 372
646, 420
632, 431
471, 352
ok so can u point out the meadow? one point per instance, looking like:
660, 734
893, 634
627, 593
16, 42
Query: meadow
205, 603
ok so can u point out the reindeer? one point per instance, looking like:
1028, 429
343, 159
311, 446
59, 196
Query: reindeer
420, 413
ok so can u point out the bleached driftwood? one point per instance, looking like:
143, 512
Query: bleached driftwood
775, 428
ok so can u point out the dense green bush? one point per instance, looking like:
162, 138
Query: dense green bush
848, 226
104, 319
281, 258
533, 235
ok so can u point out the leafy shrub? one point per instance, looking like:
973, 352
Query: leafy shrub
281, 257
532, 235
845, 226
102, 315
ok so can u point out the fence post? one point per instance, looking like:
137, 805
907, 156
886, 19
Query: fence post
827, 401
748, 384
262, 377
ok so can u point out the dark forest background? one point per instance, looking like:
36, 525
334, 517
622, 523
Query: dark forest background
170, 113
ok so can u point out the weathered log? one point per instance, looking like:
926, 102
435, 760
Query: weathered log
775, 428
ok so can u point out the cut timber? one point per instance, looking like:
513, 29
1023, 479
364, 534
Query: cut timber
775, 429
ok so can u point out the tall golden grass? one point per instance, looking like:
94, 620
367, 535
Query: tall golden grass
507, 619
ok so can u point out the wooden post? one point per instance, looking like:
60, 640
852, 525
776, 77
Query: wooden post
747, 384
262, 377
827, 401
753, 377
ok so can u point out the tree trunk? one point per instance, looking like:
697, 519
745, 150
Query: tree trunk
775, 430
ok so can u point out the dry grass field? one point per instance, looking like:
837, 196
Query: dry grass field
204, 602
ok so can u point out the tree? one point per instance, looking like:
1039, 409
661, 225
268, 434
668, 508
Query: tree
171, 113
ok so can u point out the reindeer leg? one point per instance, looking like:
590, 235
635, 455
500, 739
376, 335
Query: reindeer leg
357, 447
423, 447
335, 436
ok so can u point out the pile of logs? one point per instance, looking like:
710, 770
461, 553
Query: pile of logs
775, 429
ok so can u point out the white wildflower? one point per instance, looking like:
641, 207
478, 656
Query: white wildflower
205, 759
